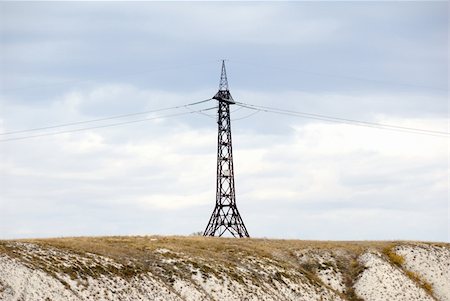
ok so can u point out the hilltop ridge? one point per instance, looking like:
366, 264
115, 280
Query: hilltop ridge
199, 268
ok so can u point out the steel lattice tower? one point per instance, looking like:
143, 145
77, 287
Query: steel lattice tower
225, 216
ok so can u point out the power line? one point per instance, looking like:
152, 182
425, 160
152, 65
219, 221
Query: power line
256, 108
105, 126
245, 117
345, 120
201, 113
103, 119
236, 119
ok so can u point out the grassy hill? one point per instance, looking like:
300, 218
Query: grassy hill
199, 268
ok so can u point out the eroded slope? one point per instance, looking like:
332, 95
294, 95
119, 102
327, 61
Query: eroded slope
197, 268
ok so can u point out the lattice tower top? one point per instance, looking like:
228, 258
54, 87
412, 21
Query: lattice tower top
223, 86
224, 94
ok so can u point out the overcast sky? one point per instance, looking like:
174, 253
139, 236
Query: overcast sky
383, 62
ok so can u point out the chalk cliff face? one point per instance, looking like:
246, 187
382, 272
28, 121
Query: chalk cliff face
197, 268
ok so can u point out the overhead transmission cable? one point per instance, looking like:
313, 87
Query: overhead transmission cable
106, 125
344, 120
110, 124
103, 119
246, 116
256, 108
200, 113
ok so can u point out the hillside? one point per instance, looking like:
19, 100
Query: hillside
198, 268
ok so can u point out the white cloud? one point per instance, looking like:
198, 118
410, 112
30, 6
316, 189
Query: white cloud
304, 177
170, 166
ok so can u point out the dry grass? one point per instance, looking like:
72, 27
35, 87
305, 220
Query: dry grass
421, 282
137, 246
351, 270
227, 251
207, 255
220, 250
393, 257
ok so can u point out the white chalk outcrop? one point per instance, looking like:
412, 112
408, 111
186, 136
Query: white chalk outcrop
383, 281
30, 271
430, 263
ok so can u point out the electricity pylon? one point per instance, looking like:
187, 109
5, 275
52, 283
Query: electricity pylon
225, 216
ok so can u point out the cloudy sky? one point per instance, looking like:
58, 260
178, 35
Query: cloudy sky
382, 62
